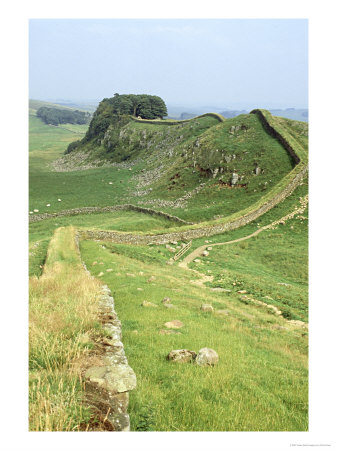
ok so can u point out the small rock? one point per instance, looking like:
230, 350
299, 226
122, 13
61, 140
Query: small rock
141, 273
30, 212
209, 248
48, 204
174, 242
110, 182
174, 324
197, 261
101, 263
100, 274
166, 300
207, 357
36, 210
109, 270
169, 305
206, 307
140, 289
94, 263
205, 253
59, 200
242, 292
145, 303
181, 356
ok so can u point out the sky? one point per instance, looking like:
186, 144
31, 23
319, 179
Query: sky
242, 63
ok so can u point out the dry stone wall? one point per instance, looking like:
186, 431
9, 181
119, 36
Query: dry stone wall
108, 382
97, 209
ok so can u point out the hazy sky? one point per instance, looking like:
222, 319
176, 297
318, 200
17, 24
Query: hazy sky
228, 63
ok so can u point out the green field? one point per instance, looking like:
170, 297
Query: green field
261, 380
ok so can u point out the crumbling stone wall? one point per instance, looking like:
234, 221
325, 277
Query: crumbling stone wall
97, 209
108, 382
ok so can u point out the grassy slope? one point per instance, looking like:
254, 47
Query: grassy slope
62, 327
261, 380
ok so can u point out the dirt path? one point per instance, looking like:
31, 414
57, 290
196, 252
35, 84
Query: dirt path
198, 251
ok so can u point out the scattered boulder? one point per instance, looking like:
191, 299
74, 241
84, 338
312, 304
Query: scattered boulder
242, 292
207, 357
205, 253
174, 324
148, 304
140, 289
151, 279
197, 261
181, 356
109, 270
166, 300
209, 248
36, 210
100, 274
257, 170
206, 308
235, 179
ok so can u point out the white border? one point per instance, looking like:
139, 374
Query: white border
323, 104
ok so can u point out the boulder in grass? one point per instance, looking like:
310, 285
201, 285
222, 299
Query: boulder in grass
242, 291
169, 305
181, 356
206, 307
205, 253
166, 300
174, 324
207, 357
151, 279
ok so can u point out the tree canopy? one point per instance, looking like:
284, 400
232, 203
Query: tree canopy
56, 116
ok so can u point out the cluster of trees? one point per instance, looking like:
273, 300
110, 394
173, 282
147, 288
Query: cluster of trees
115, 112
117, 109
145, 106
56, 116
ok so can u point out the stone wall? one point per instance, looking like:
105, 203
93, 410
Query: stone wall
129, 238
97, 209
108, 382
177, 122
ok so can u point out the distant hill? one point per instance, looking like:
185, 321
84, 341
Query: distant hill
289, 113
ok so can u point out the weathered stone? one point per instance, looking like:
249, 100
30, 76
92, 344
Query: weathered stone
169, 305
209, 248
148, 304
205, 253
181, 356
140, 289
151, 279
197, 261
174, 324
234, 179
166, 300
242, 292
119, 378
206, 308
207, 357
100, 274
257, 170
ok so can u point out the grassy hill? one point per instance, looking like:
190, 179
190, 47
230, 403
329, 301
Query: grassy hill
184, 168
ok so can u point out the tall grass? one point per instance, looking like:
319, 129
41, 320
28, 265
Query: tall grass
62, 328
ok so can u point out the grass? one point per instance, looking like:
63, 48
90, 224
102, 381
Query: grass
62, 327
260, 383
261, 380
